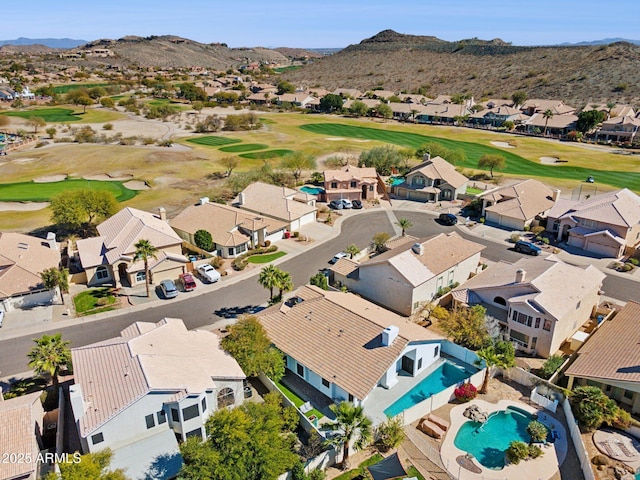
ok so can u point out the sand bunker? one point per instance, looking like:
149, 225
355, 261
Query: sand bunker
23, 160
503, 144
106, 177
361, 141
334, 139
551, 160
22, 206
136, 185
50, 179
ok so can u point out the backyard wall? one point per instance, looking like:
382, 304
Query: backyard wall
581, 450
461, 353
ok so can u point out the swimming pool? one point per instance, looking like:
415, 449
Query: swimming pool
488, 441
396, 181
442, 377
312, 190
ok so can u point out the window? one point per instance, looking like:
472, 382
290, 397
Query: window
162, 417
534, 342
226, 397
232, 251
371, 188
519, 338
350, 398
300, 370
419, 363
242, 248
522, 318
150, 421
195, 433
547, 325
555, 227
537, 325
102, 272
140, 276
334, 184
325, 383
204, 404
628, 394
417, 180
97, 438
190, 412
500, 301
436, 351
174, 415
353, 184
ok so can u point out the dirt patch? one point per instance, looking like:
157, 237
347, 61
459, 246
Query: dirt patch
22, 206
106, 177
50, 179
503, 144
551, 161
22, 160
335, 139
136, 185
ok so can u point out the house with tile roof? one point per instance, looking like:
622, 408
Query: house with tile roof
607, 224
21, 430
538, 105
540, 302
414, 271
559, 124
609, 359
234, 231
442, 113
433, 180
350, 182
497, 115
623, 129
22, 258
345, 346
290, 206
151, 388
110, 257
516, 206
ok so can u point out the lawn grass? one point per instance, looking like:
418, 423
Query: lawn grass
356, 471
211, 141
87, 302
247, 147
281, 152
157, 102
473, 191
515, 164
288, 68
67, 115
62, 89
43, 192
413, 472
269, 257
266, 121
297, 401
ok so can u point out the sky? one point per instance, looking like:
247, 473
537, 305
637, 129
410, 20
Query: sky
327, 23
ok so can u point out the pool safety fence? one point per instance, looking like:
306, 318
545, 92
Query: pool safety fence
576, 438
543, 401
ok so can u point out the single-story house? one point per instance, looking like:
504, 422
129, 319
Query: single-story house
540, 302
350, 182
433, 180
556, 125
442, 113
22, 258
609, 359
110, 257
413, 272
537, 105
496, 116
233, 231
149, 389
516, 206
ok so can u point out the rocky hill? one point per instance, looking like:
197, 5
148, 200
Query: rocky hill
393, 61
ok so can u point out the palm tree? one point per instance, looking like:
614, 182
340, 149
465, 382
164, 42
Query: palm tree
268, 278
501, 354
56, 277
50, 354
144, 251
547, 115
351, 425
284, 282
404, 224
379, 241
610, 106
352, 250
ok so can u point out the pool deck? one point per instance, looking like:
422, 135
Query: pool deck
544, 467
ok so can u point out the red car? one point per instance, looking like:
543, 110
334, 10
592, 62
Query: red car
188, 282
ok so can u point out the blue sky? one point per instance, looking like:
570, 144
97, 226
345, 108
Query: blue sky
328, 23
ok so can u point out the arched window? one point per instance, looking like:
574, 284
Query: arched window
140, 276
102, 272
226, 397
500, 301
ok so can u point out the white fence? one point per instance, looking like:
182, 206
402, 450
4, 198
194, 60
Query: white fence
461, 353
581, 450
543, 401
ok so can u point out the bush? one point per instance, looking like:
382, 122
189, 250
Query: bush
535, 451
320, 280
622, 419
537, 230
517, 451
514, 237
465, 392
267, 243
526, 228
203, 240
545, 240
216, 262
240, 263
592, 407
389, 434
634, 261
107, 126
537, 431
551, 365
102, 302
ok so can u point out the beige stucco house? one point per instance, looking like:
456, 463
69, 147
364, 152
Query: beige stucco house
539, 301
619, 129
412, 272
433, 180
351, 183
606, 225
110, 257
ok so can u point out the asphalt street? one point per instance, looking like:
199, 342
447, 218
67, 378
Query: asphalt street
210, 308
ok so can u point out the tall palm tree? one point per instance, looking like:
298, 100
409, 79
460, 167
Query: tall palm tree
501, 354
352, 250
351, 425
404, 224
144, 251
56, 277
610, 106
268, 278
284, 282
547, 115
50, 354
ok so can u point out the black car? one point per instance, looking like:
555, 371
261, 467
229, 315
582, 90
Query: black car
527, 247
448, 219
357, 204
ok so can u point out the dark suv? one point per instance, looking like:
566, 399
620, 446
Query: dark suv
527, 247
448, 219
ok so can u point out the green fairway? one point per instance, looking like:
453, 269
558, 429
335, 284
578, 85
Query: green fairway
51, 115
267, 154
515, 164
61, 89
43, 192
165, 101
247, 147
270, 257
211, 141
266, 121
288, 68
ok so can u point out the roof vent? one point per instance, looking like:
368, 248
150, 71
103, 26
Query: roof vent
389, 334
417, 248
23, 246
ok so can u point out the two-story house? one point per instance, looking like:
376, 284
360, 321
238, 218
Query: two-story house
619, 129
606, 224
539, 301
146, 391
351, 183
433, 180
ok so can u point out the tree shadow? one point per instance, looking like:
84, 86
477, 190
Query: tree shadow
166, 465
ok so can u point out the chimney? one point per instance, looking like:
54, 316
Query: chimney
389, 334
520, 276
51, 240
163, 214
417, 248
241, 198
204, 200
426, 157
555, 195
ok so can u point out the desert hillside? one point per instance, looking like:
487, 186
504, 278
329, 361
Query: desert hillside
393, 61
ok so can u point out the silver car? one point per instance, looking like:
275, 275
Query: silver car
168, 288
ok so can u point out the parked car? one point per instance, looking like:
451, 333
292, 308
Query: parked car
209, 273
188, 282
448, 219
337, 257
357, 204
169, 289
336, 204
346, 203
527, 247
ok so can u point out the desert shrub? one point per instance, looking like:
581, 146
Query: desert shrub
216, 262
41, 143
465, 392
535, 451
622, 419
240, 264
296, 234
517, 451
537, 431
526, 228
634, 261
537, 230
107, 126
103, 301
514, 237
389, 434
482, 220
592, 407
545, 240
600, 460
551, 365
267, 243
148, 140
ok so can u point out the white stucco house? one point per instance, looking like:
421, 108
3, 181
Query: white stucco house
146, 391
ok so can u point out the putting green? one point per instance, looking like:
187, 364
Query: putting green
61, 89
211, 141
267, 154
43, 192
247, 147
515, 164
51, 115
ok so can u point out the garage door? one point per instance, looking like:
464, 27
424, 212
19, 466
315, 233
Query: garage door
419, 196
609, 251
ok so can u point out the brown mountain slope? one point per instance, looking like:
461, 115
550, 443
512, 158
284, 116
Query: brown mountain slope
578, 75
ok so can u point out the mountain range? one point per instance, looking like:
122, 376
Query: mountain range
48, 42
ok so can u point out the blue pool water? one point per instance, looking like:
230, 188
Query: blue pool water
487, 442
638, 476
443, 377
312, 190
396, 181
